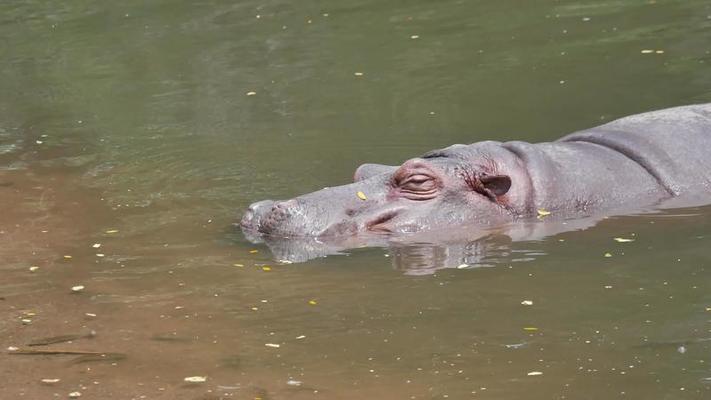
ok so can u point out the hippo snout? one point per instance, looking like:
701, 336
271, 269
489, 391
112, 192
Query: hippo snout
268, 216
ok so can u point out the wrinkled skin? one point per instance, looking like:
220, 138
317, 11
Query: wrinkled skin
635, 161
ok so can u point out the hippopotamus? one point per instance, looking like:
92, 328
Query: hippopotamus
634, 162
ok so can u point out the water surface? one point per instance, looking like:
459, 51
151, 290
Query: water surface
147, 128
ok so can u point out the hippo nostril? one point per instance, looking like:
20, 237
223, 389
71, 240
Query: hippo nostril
285, 205
260, 205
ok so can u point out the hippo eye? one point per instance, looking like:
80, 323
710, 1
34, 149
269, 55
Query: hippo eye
418, 186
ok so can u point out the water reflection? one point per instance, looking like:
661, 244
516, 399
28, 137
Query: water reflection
427, 252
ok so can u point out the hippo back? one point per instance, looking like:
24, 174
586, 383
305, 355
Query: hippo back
673, 145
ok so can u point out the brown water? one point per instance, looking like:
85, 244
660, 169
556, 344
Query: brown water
133, 126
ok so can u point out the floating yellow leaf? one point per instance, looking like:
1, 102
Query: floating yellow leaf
67, 257
543, 212
253, 251
112, 231
361, 196
608, 255
530, 329
266, 268
238, 265
622, 240
312, 302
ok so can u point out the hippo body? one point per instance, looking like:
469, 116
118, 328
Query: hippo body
630, 163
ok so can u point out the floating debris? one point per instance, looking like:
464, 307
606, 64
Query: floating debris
358, 73
272, 345
622, 240
361, 196
543, 212
74, 395
293, 382
530, 329
300, 337
608, 255
527, 303
251, 93
50, 381
77, 288
313, 302
67, 257
415, 37
110, 231
534, 373
253, 251
266, 268
61, 339
33, 268
238, 265
195, 379
462, 266
96, 245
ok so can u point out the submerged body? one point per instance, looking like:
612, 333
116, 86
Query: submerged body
635, 161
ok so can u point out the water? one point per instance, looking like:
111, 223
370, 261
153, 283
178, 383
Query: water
133, 126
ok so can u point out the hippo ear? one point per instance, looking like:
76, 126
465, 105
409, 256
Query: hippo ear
494, 186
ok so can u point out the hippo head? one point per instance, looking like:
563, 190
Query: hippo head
477, 185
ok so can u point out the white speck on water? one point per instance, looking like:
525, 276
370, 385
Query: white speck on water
77, 288
293, 382
535, 373
272, 345
527, 303
681, 349
195, 379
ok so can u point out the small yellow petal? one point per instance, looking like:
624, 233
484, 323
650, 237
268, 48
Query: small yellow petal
238, 265
542, 212
312, 302
112, 231
68, 257
253, 251
361, 196
266, 268
530, 329
622, 240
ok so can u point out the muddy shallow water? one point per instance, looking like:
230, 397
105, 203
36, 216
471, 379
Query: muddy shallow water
133, 135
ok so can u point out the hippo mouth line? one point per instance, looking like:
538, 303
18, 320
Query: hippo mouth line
377, 224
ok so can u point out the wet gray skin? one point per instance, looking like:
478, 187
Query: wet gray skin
636, 161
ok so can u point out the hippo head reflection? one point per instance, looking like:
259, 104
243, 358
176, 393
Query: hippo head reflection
427, 252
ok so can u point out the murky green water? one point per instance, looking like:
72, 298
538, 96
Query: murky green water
148, 127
